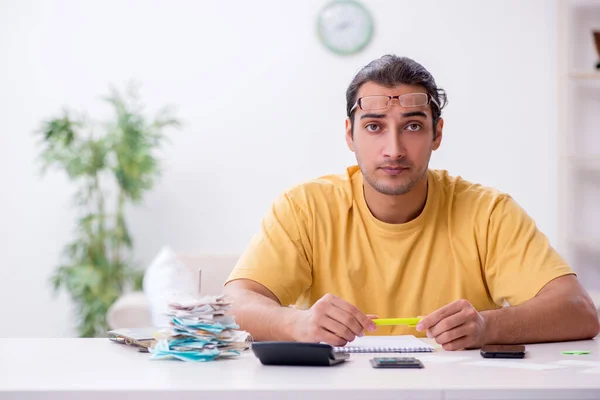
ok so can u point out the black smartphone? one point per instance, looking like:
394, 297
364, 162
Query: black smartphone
503, 351
396, 362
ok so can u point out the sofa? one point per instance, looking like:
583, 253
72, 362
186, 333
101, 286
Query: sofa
207, 274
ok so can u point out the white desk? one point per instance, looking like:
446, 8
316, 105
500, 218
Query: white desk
100, 369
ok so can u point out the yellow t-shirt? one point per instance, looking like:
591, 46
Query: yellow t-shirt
469, 242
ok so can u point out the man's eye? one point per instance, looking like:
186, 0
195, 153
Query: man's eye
414, 127
372, 127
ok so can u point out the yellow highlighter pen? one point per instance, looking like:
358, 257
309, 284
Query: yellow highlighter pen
397, 321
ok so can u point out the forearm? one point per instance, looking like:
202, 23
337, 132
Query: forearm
262, 317
547, 317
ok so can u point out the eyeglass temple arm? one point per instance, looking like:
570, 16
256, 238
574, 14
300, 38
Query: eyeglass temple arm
435, 102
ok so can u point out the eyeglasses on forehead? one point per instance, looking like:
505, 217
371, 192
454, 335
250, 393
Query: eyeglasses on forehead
381, 102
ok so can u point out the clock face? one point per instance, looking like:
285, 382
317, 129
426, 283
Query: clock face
345, 26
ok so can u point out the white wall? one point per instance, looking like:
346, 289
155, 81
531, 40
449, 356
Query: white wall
263, 105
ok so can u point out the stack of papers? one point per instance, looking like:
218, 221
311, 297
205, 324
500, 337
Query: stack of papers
200, 331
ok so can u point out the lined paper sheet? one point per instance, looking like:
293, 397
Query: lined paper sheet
386, 344
442, 358
513, 364
591, 371
579, 363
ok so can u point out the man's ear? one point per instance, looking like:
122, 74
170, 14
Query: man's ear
438, 134
349, 138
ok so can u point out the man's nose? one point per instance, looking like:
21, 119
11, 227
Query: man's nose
394, 146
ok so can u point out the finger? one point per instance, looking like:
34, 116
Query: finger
465, 342
372, 316
362, 319
346, 319
452, 334
338, 329
440, 314
447, 324
331, 338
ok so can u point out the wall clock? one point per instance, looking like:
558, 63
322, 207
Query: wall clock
345, 26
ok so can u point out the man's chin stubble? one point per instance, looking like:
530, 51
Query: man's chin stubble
391, 190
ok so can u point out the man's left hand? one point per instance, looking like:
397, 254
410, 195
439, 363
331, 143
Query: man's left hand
455, 326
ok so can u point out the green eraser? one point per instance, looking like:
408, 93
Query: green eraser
576, 352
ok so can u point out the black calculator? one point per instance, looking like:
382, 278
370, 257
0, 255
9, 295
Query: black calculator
396, 362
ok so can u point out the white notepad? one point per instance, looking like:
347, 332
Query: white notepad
386, 344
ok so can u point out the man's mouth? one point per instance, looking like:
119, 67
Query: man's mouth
394, 170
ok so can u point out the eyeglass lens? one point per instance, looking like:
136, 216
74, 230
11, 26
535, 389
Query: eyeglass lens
405, 100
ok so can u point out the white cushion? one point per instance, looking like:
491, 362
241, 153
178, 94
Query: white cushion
167, 276
171, 274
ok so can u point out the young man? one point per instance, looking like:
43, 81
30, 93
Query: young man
392, 238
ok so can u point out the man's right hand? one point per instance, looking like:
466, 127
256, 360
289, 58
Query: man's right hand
331, 320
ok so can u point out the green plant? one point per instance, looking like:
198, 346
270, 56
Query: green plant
112, 164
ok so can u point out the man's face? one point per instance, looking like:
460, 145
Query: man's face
393, 145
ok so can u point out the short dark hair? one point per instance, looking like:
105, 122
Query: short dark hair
391, 70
